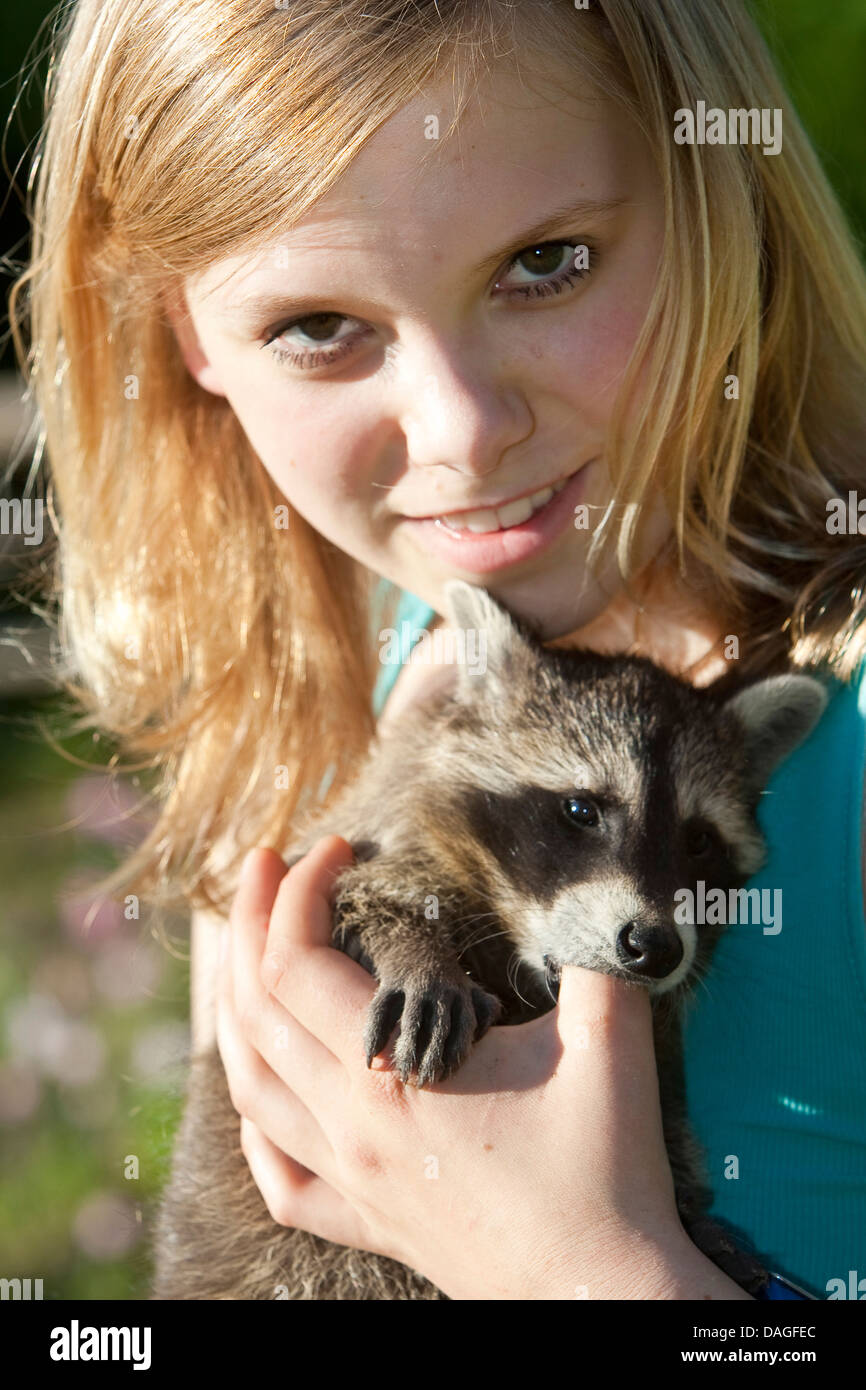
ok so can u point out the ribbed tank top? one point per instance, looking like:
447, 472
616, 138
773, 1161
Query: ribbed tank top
775, 1036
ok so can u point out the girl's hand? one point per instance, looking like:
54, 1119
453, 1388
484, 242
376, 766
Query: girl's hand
536, 1171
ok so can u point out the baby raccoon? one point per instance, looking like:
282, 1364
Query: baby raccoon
555, 809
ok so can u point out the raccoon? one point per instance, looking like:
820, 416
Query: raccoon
554, 807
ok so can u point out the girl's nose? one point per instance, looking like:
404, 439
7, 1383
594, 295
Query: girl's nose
461, 416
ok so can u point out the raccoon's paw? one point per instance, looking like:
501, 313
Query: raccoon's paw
440, 1017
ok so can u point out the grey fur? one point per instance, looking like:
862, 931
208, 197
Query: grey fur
464, 798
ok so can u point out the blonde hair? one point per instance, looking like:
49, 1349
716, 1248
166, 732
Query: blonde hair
215, 647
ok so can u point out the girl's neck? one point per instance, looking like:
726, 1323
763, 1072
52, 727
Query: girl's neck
665, 618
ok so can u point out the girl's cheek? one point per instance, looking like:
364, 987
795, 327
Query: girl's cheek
588, 367
321, 460
306, 449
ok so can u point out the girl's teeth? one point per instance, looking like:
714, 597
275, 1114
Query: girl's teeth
514, 512
500, 519
479, 521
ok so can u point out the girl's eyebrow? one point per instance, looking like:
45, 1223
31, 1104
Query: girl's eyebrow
583, 208
258, 305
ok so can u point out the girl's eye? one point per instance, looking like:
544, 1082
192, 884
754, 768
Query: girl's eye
549, 268
316, 339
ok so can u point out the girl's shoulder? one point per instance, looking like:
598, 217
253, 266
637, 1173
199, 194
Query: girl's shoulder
775, 1037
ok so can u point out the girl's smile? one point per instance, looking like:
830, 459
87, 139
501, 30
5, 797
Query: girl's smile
443, 335
483, 541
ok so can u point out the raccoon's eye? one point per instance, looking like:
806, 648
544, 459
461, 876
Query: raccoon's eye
580, 811
699, 841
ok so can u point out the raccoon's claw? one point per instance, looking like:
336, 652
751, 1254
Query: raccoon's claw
439, 1021
384, 1015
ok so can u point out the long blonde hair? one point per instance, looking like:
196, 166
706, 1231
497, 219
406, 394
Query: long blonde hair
216, 648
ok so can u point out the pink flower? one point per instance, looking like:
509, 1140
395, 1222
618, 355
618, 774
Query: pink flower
87, 918
108, 809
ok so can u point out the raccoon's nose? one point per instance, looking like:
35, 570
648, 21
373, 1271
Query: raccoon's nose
647, 950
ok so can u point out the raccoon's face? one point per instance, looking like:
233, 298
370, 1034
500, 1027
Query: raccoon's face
583, 879
596, 853
600, 798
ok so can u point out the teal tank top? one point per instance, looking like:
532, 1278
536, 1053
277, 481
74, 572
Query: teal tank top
775, 1037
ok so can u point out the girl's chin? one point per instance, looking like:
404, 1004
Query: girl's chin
554, 599
553, 605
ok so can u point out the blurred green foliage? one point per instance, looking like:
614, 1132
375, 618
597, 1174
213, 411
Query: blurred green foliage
70, 1212
820, 50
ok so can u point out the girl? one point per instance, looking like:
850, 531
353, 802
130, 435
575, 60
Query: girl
329, 294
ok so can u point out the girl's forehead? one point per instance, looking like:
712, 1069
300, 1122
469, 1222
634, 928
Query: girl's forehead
510, 125
520, 149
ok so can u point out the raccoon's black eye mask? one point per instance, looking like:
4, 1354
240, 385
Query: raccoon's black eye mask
700, 839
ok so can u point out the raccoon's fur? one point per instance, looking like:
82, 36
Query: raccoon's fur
553, 806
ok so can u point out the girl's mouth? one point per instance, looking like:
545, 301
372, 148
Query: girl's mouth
488, 519
489, 539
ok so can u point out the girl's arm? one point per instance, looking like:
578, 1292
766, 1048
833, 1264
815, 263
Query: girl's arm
538, 1171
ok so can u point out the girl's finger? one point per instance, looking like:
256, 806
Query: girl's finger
288, 1048
325, 991
608, 1015
261, 1096
314, 877
296, 1197
262, 1020
261, 873
293, 1054
606, 1030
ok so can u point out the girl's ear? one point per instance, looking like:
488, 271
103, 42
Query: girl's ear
194, 355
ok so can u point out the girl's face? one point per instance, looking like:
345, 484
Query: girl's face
431, 340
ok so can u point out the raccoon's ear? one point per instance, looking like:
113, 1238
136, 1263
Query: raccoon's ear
776, 714
499, 647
